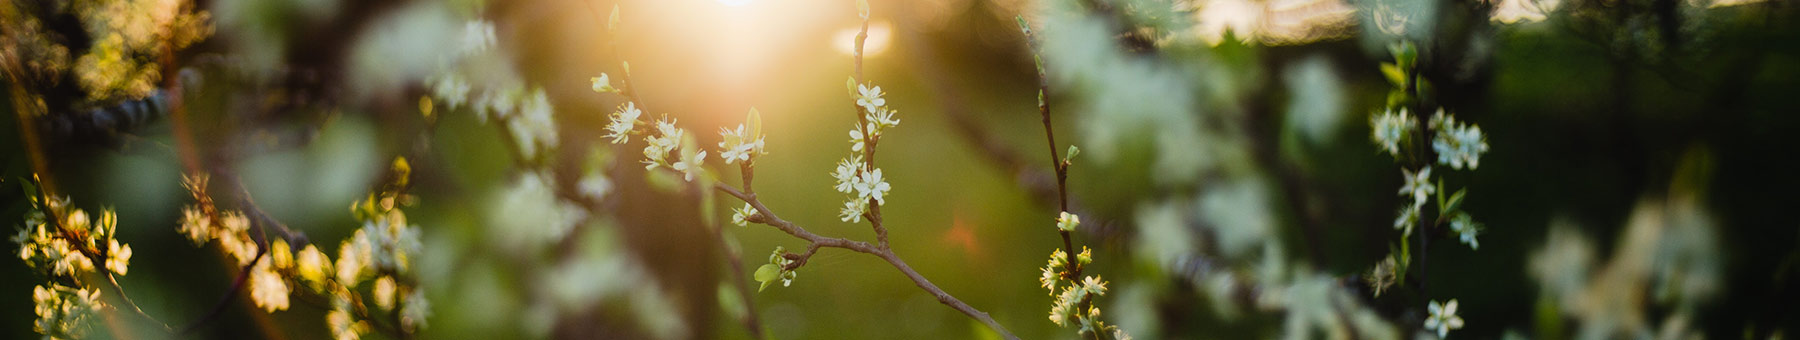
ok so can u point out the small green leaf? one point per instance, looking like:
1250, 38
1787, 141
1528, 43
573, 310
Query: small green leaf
627, 66
1394, 74
1454, 202
1440, 194
755, 122
1023, 27
862, 9
850, 85
612, 23
767, 273
1404, 53
1072, 152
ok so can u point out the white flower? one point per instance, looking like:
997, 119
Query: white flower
690, 165
121, 257
1404, 222
869, 98
384, 290
856, 140
451, 89
623, 121
853, 210
603, 84
312, 266
741, 216
871, 185
267, 287
478, 36
736, 145
1094, 285
535, 127
883, 118
1456, 143
1067, 221
1389, 128
846, 173
1443, 318
657, 148
595, 185
1466, 229
1418, 184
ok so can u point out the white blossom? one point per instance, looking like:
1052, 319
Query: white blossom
657, 148
856, 140
737, 145
535, 126
846, 173
1443, 318
1457, 143
1067, 221
267, 288
1418, 185
1466, 230
1389, 128
869, 98
1408, 216
690, 164
603, 83
477, 36
622, 123
853, 210
871, 185
883, 118
741, 216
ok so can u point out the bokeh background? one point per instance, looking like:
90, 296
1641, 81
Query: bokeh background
1207, 128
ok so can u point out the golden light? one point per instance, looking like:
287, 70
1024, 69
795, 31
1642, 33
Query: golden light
881, 34
735, 3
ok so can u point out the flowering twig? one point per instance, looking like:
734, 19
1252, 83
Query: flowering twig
816, 241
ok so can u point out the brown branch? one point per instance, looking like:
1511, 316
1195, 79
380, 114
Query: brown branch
768, 217
1072, 266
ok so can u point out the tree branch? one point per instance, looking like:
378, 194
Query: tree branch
768, 217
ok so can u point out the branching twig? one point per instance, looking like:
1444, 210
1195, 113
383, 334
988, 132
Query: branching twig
815, 241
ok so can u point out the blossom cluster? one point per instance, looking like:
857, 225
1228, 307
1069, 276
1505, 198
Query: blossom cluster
526, 112
1390, 129
855, 176
780, 267
1076, 298
64, 244
1456, 145
380, 253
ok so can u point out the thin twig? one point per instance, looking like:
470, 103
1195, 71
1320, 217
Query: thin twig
768, 217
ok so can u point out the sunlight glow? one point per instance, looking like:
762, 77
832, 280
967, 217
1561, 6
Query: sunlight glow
881, 34
735, 3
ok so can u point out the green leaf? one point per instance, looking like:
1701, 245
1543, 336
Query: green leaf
767, 272
1394, 74
1023, 27
1072, 152
1404, 53
850, 85
1455, 202
1440, 195
862, 9
755, 122
612, 23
